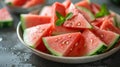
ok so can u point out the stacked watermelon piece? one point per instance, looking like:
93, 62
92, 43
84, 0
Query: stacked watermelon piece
24, 3
67, 29
6, 19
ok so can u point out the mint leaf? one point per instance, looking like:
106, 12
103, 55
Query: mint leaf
59, 15
69, 15
103, 12
60, 22
62, 19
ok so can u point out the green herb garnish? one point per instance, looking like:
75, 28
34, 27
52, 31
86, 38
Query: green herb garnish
103, 11
62, 19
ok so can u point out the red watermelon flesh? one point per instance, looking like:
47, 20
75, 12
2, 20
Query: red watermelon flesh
59, 7
84, 3
33, 36
66, 3
5, 15
18, 3
31, 3
108, 25
93, 45
76, 50
72, 9
46, 11
29, 20
98, 21
109, 37
62, 30
86, 13
6, 19
78, 22
61, 45
95, 8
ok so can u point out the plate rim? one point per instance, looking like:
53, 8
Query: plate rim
72, 60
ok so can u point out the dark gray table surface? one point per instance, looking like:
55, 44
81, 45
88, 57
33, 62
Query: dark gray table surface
14, 54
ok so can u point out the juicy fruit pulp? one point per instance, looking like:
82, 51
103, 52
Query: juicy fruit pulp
93, 45
61, 45
29, 20
33, 36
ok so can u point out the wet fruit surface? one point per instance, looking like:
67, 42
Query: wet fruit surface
14, 54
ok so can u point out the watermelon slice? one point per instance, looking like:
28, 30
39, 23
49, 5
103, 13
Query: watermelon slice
86, 13
46, 11
17, 3
108, 25
98, 21
29, 20
95, 8
84, 3
109, 37
6, 19
61, 45
33, 36
93, 45
62, 30
78, 22
57, 7
66, 3
32, 3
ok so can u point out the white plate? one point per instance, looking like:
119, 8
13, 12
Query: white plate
71, 60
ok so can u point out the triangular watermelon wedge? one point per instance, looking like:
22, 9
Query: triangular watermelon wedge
77, 22
108, 25
61, 45
33, 36
57, 7
93, 45
30, 20
109, 37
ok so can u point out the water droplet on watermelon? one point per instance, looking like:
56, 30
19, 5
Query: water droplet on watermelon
56, 40
91, 40
1, 39
79, 24
65, 42
76, 44
102, 36
71, 49
69, 36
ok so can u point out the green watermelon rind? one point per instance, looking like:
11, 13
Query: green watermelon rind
28, 43
114, 42
116, 22
22, 19
92, 17
100, 49
51, 50
6, 23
